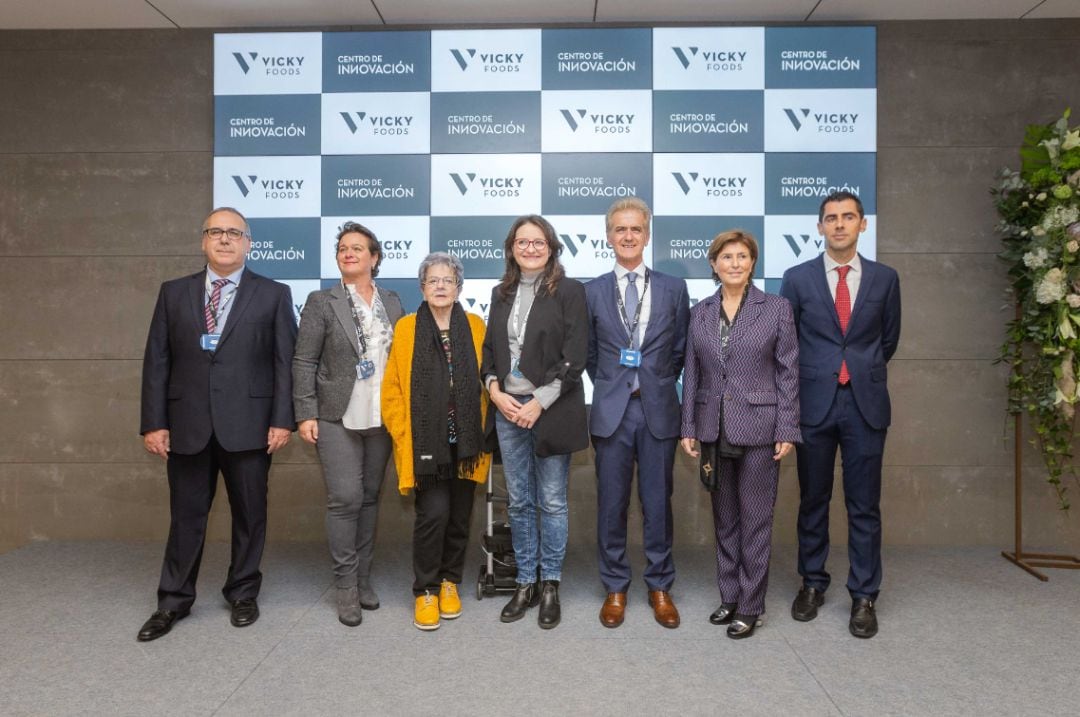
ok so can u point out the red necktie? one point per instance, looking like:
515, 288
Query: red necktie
843, 311
211, 308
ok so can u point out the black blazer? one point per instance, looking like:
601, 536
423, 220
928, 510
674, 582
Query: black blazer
556, 345
235, 393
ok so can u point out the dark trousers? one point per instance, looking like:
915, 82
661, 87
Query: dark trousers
192, 484
861, 448
743, 519
441, 533
615, 456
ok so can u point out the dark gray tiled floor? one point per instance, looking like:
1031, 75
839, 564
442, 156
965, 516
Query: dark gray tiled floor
963, 632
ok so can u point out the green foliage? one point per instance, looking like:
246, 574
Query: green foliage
1039, 208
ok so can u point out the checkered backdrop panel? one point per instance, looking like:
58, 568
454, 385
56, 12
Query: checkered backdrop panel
437, 140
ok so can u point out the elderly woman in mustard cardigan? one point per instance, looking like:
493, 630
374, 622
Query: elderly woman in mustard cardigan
434, 405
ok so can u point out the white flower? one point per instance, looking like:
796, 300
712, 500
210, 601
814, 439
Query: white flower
1036, 259
1040, 197
1051, 288
1038, 231
1057, 218
1074, 300
1073, 246
1072, 139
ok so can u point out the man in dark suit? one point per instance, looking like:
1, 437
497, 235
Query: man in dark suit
217, 396
637, 341
847, 314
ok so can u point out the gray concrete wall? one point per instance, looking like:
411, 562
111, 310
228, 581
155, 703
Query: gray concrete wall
105, 172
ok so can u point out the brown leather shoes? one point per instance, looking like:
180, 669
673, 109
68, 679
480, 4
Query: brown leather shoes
664, 608
611, 614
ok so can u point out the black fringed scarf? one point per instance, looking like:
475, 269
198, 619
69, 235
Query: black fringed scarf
430, 400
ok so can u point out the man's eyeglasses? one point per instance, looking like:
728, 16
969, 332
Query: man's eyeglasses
524, 244
217, 232
441, 281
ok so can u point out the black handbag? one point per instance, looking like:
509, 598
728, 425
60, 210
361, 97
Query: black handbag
712, 454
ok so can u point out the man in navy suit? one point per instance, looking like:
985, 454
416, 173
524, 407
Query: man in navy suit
847, 314
217, 396
637, 341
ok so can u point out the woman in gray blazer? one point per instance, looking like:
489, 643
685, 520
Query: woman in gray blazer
341, 352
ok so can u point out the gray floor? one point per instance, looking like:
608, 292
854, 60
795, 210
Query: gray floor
963, 632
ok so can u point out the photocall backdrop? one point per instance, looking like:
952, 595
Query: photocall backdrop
438, 140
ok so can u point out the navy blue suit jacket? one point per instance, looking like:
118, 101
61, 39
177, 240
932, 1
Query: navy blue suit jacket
235, 393
872, 336
663, 350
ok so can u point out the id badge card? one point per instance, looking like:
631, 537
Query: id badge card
209, 342
365, 369
630, 358
517, 371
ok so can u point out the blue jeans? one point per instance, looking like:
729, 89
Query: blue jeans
536, 485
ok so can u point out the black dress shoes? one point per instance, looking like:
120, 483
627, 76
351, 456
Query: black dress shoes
525, 597
245, 611
863, 618
160, 623
723, 614
743, 626
550, 612
806, 604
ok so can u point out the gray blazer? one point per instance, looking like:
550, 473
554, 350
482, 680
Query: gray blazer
324, 363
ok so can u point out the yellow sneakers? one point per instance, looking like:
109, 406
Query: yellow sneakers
427, 612
449, 602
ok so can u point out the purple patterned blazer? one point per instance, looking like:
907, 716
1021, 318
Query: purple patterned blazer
758, 375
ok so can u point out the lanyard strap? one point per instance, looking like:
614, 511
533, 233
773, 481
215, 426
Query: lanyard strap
631, 326
521, 322
224, 299
360, 337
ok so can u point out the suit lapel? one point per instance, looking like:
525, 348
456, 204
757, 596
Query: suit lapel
866, 281
244, 292
197, 295
658, 295
611, 287
821, 284
748, 315
710, 318
339, 302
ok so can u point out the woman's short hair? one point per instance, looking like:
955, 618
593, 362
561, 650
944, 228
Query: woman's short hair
441, 258
374, 246
733, 236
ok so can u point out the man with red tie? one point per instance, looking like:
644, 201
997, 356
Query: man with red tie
847, 314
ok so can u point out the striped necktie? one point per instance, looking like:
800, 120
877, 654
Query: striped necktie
211, 309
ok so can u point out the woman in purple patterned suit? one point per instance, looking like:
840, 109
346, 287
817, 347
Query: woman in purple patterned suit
741, 405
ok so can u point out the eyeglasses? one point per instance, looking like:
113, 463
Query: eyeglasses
217, 232
441, 281
523, 244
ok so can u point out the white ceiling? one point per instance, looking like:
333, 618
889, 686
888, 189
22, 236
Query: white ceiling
118, 14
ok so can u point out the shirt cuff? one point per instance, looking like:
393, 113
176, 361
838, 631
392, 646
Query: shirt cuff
548, 393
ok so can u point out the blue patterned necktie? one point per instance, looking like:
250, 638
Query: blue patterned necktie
631, 302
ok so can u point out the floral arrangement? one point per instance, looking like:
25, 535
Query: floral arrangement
1040, 227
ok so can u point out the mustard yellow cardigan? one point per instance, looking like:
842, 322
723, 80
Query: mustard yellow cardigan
397, 407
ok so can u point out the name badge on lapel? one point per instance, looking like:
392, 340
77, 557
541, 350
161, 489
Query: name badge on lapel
209, 342
630, 358
365, 369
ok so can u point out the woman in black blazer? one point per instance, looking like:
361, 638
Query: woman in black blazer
341, 352
534, 353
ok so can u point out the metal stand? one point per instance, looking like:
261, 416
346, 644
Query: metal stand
1030, 561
